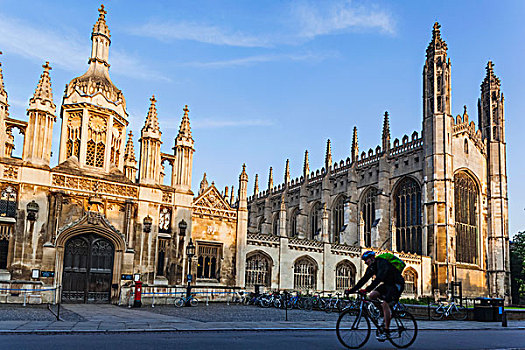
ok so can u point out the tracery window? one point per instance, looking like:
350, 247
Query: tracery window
258, 270
344, 275
116, 140
96, 146
410, 277
74, 131
208, 260
305, 274
368, 213
293, 223
315, 221
8, 202
407, 202
338, 218
466, 202
165, 220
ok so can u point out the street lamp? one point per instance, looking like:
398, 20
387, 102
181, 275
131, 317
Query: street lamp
190, 253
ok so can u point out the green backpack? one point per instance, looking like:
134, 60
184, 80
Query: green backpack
394, 260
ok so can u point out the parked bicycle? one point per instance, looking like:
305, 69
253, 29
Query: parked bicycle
443, 310
180, 302
353, 326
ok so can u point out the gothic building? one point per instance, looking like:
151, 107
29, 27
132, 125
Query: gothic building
437, 198
103, 216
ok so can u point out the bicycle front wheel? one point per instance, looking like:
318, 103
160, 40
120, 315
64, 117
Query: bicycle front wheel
403, 330
460, 313
353, 328
179, 302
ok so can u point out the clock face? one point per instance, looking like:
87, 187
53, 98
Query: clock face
97, 123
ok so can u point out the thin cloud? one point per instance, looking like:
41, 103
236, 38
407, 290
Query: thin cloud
65, 51
251, 60
198, 32
339, 16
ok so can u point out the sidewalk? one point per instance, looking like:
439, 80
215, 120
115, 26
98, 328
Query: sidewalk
111, 318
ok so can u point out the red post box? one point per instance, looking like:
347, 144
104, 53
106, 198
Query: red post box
137, 302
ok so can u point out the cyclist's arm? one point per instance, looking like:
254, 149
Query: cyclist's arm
368, 274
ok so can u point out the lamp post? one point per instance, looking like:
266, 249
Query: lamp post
190, 253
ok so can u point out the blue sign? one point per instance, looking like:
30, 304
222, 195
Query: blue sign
189, 278
126, 277
501, 310
47, 274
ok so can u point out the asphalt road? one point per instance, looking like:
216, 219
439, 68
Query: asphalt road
288, 340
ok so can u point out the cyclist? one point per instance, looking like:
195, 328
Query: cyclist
389, 291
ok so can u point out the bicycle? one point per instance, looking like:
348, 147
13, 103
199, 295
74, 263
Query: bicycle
442, 310
353, 325
180, 302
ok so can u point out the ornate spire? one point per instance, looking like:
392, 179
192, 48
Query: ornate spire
355, 146
100, 37
270, 179
437, 43
232, 196
386, 133
3, 93
491, 81
244, 176
184, 129
43, 90
287, 172
306, 165
256, 186
204, 184
328, 156
129, 153
152, 120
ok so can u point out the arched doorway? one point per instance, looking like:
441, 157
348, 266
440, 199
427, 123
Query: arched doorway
88, 269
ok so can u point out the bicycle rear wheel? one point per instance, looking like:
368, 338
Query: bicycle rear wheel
194, 301
179, 302
353, 328
403, 330
436, 312
460, 313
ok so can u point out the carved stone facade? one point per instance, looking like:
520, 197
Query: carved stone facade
437, 198
96, 220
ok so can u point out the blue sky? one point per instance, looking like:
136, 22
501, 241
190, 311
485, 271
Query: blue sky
265, 80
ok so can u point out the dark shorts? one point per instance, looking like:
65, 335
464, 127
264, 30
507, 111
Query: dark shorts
390, 292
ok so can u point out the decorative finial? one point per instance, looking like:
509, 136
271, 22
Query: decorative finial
243, 176
47, 67
270, 179
355, 145
306, 165
102, 11
328, 156
256, 186
152, 99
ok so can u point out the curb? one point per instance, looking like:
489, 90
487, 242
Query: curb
174, 330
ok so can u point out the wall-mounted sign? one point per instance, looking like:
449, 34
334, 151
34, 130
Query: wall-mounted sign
126, 277
35, 273
47, 274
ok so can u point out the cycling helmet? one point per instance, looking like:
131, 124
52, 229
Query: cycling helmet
368, 254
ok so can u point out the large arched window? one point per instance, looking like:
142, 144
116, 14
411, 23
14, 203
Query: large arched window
410, 277
258, 270
8, 202
275, 225
407, 202
293, 223
344, 275
368, 213
305, 273
338, 218
315, 221
466, 204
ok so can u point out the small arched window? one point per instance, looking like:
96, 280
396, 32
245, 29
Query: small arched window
305, 274
410, 277
258, 270
293, 223
275, 225
8, 202
344, 275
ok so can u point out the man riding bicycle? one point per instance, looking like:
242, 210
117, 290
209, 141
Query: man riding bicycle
389, 291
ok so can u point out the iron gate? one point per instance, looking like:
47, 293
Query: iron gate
88, 270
